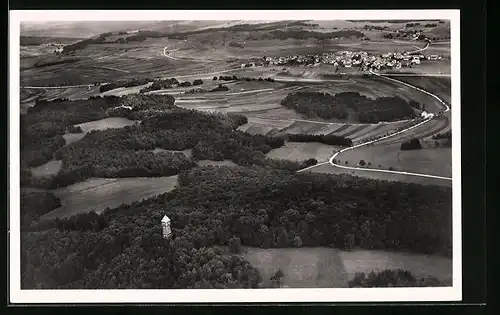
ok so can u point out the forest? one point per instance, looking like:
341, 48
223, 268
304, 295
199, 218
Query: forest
124, 248
367, 110
392, 278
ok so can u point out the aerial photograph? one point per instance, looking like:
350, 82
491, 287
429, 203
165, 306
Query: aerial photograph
235, 154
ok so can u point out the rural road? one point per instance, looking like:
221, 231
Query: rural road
332, 158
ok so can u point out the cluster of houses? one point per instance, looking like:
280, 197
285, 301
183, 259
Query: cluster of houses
349, 59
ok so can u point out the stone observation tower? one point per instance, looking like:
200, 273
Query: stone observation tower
166, 230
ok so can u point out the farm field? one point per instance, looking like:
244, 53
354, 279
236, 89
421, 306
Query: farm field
51, 168
97, 194
432, 161
329, 169
300, 151
322, 267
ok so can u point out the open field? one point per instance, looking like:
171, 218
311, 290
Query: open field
97, 194
432, 161
300, 151
327, 267
51, 168
329, 169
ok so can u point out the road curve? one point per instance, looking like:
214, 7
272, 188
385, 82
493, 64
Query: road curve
332, 158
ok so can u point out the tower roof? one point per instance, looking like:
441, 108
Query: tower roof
165, 219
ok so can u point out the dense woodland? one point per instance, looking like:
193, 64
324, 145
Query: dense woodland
123, 248
367, 110
392, 278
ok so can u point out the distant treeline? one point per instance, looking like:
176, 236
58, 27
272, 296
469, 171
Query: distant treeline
326, 139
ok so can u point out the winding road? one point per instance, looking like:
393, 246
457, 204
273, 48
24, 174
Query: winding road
331, 161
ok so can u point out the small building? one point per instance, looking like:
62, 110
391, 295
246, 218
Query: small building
165, 225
